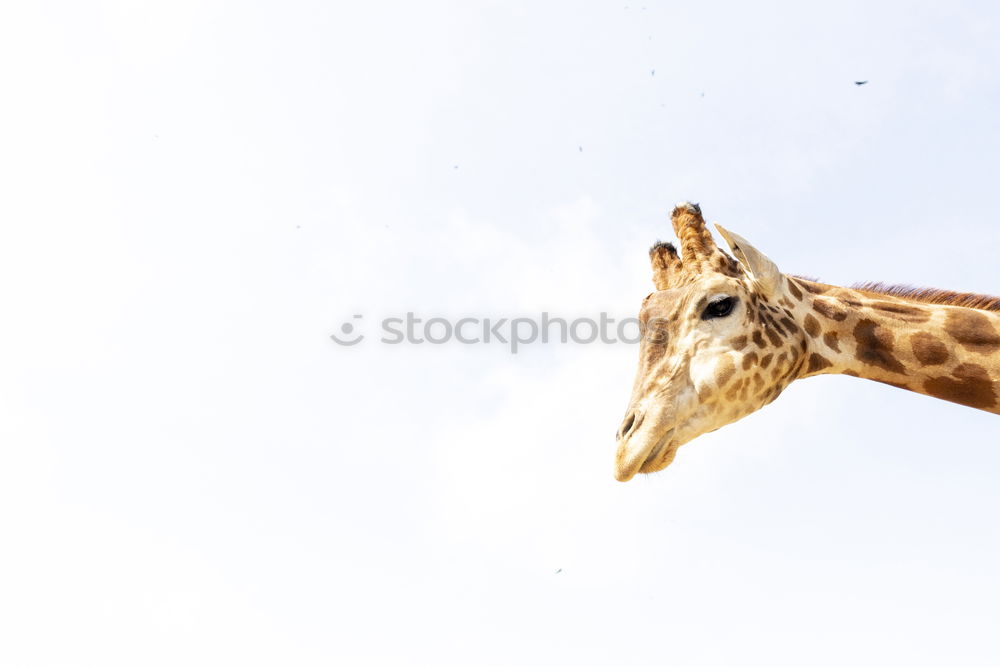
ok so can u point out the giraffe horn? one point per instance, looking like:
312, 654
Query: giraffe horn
697, 244
666, 264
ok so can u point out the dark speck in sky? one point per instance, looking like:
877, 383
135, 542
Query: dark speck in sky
860, 83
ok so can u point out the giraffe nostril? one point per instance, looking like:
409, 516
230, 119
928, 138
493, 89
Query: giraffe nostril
631, 423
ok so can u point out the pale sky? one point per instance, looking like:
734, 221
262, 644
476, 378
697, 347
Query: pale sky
195, 195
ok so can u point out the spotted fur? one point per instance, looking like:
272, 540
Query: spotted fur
699, 372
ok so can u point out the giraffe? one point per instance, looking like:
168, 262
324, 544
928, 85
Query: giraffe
723, 337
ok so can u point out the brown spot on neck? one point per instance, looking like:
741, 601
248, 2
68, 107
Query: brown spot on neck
816, 364
928, 350
968, 384
812, 325
972, 330
830, 310
830, 339
875, 347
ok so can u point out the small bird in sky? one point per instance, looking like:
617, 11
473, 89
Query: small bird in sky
860, 83
559, 570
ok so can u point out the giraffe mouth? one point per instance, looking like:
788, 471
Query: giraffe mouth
647, 459
661, 454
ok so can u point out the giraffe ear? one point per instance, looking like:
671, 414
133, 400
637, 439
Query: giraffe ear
761, 270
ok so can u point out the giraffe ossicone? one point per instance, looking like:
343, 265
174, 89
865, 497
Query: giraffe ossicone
722, 337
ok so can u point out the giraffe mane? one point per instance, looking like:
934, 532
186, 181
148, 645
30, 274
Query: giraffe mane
932, 295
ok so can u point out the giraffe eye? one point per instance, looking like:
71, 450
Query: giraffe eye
719, 308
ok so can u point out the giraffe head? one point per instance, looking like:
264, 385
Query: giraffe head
719, 342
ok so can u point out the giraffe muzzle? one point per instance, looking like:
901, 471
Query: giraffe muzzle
642, 449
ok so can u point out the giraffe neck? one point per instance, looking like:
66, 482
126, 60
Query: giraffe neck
945, 351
